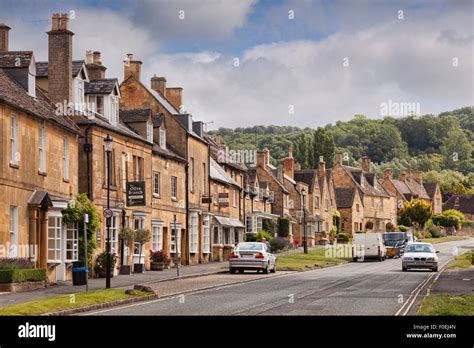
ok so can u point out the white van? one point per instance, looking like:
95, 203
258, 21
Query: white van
368, 246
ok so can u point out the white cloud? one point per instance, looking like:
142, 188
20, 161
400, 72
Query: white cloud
208, 19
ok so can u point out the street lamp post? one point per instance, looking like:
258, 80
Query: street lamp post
305, 242
108, 150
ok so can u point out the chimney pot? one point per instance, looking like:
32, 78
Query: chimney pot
4, 37
338, 158
366, 164
388, 173
97, 58
132, 67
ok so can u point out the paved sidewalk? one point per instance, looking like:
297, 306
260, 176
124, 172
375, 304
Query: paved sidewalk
121, 281
455, 281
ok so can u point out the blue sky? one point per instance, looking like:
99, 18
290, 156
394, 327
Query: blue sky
283, 64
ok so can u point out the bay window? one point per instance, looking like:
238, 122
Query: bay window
194, 232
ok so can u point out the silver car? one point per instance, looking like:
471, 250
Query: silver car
420, 255
252, 256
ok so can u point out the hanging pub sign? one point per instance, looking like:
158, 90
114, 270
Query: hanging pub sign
135, 193
223, 199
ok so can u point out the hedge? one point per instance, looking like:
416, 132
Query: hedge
22, 275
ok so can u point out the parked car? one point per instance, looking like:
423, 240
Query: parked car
368, 246
420, 255
252, 256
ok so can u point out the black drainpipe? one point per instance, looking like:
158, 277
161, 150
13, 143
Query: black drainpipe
209, 195
187, 203
88, 150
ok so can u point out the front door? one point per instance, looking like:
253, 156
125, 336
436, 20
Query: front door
138, 223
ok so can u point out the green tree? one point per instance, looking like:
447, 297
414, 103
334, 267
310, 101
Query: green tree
456, 147
323, 146
415, 213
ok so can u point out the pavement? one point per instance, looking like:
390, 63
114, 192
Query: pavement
128, 281
454, 281
362, 288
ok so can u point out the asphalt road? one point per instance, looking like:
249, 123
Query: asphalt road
362, 288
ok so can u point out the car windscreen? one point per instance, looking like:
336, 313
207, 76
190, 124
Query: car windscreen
249, 246
393, 236
419, 248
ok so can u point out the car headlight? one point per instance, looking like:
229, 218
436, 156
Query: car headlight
432, 258
407, 259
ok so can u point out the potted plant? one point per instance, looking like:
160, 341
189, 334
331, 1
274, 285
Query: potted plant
158, 260
100, 266
126, 235
141, 236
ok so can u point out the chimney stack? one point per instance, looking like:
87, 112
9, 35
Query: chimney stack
402, 176
417, 176
60, 59
263, 157
289, 164
159, 84
388, 173
338, 158
94, 65
321, 167
175, 95
366, 164
4, 37
132, 67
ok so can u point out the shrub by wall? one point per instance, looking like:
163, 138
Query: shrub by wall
22, 275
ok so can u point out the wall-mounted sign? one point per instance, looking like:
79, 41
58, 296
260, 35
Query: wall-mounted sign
206, 200
223, 199
135, 193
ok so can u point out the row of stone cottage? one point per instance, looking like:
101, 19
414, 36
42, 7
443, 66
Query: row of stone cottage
51, 153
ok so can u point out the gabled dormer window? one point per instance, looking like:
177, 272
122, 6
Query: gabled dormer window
162, 138
149, 132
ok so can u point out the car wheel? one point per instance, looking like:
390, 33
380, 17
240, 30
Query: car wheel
266, 269
274, 269
232, 271
354, 259
380, 259
241, 271
404, 269
435, 269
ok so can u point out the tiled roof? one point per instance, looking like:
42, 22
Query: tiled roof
41, 106
15, 59
417, 189
135, 115
367, 182
308, 176
103, 86
463, 203
42, 68
430, 188
218, 173
410, 189
345, 197
168, 152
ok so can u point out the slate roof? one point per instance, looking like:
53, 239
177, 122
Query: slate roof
102, 86
16, 59
308, 176
463, 203
345, 197
42, 68
430, 188
218, 173
135, 115
168, 152
410, 189
42, 107
367, 182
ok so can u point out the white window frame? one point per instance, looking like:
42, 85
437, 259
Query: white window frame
42, 150
157, 236
124, 170
114, 233
192, 175
175, 240
14, 140
162, 138
14, 226
156, 184
234, 198
193, 233
66, 158
206, 234
149, 131
174, 187
74, 240
138, 223
55, 237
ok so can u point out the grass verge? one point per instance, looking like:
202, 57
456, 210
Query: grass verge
77, 300
318, 258
462, 261
447, 305
442, 239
